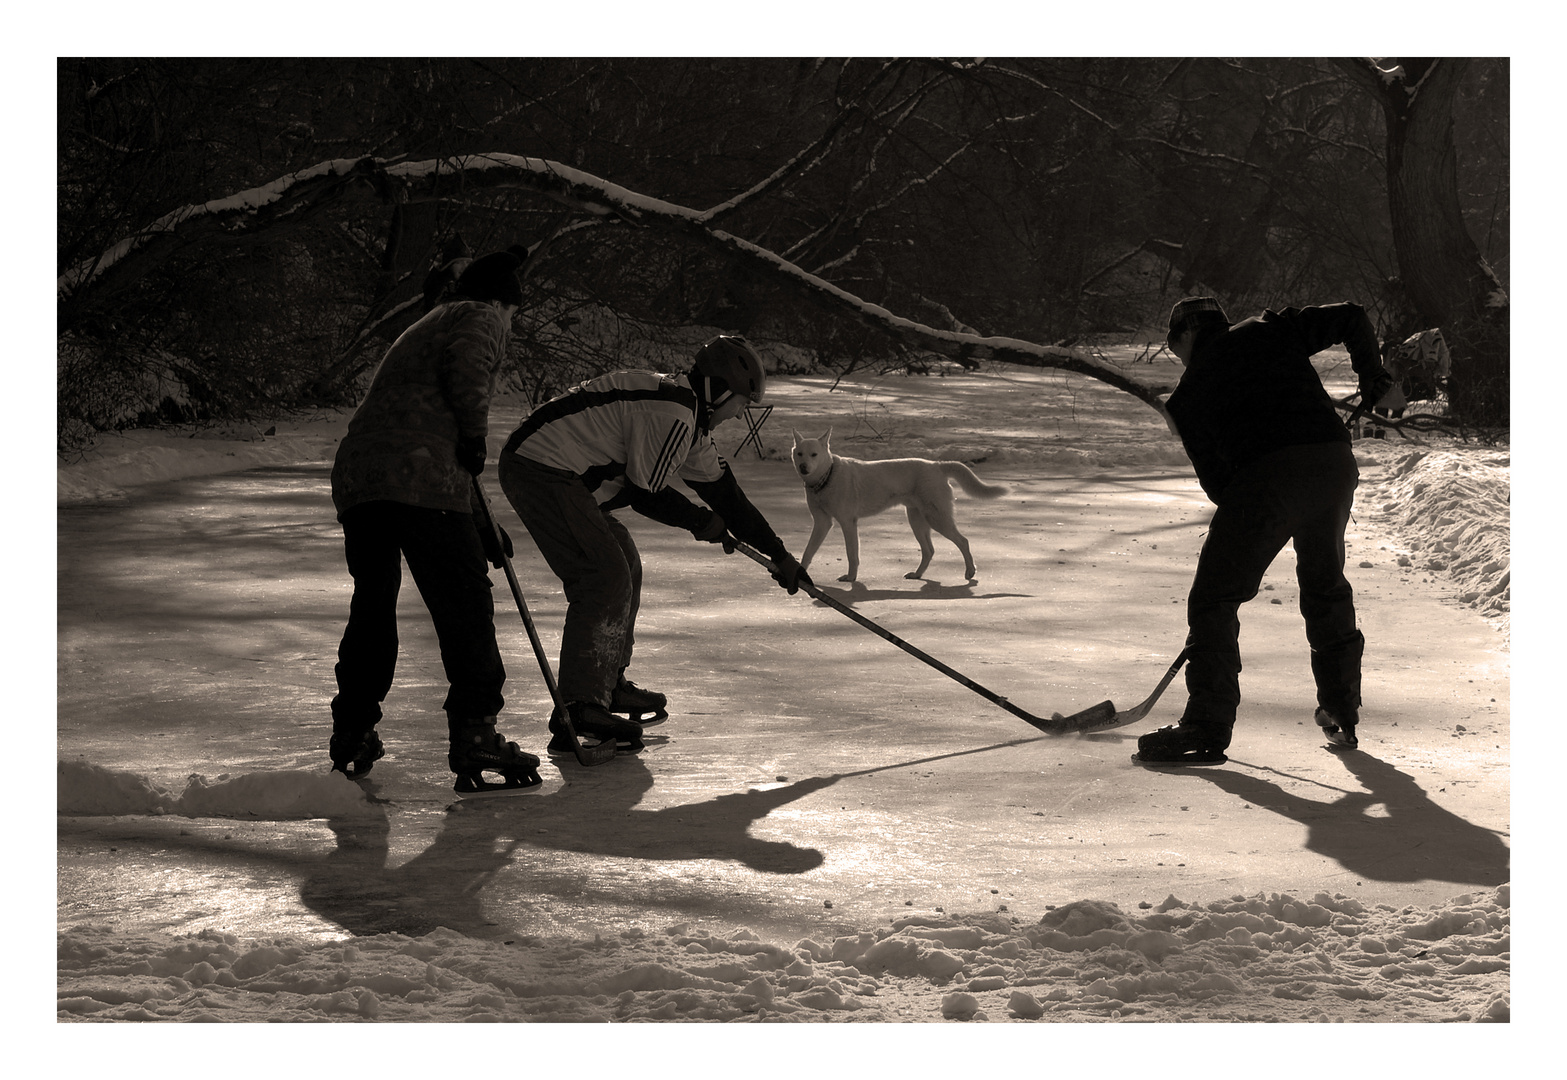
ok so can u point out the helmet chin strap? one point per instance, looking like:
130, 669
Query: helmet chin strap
707, 394
709, 406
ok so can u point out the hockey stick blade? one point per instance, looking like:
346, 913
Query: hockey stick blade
587, 756
1092, 718
1105, 716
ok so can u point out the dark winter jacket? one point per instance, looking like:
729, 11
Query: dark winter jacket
432, 388
1250, 390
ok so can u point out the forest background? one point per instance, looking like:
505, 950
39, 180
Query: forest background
241, 237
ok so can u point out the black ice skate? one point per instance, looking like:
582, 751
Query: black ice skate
354, 752
596, 728
1340, 731
1184, 744
645, 707
477, 748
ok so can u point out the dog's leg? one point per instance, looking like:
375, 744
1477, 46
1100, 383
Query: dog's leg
943, 520
851, 547
821, 525
921, 529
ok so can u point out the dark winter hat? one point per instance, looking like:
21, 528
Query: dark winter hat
1194, 311
492, 277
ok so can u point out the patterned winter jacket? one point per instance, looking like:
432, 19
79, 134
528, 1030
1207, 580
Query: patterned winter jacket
432, 388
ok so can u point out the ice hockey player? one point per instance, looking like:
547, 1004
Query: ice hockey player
1272, 453
617, 441
402, 484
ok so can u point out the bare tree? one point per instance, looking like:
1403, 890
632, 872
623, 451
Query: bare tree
1443, 273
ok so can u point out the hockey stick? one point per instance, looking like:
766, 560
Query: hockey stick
1137, 712
586, 755
1093, 718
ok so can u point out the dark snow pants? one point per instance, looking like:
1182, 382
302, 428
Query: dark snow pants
597, 562
446, 560
1302, 493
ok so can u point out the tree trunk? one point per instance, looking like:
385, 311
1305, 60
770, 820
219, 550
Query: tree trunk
1443, 273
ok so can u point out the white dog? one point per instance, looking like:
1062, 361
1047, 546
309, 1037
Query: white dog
844, 489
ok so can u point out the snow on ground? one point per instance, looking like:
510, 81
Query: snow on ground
1444, 509
1310, 958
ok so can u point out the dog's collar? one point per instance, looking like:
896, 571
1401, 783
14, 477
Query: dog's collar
818, 487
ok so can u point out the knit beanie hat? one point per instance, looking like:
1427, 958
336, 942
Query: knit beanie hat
492, 277
1195, 311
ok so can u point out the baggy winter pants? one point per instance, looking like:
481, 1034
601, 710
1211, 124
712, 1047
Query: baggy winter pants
447, 562
593, 555
1302, 493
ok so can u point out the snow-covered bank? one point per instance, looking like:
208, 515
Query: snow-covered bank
93, 790
121, 460
1451, 508
1259, 958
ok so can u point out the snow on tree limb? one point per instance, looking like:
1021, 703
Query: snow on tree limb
290, 196
245, 203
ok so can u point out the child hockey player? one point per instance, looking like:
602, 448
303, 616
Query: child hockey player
617, 441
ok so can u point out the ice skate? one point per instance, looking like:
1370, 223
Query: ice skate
1184, 744
477, 748
594, 725
644, 707
354, 752
1340, 731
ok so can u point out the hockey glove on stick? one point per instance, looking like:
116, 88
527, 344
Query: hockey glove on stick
495, 553
790, 574
716, 532
471, 453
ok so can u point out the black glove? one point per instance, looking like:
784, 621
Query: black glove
471, 453
790, 574
716, 532
1374, 387
495, 554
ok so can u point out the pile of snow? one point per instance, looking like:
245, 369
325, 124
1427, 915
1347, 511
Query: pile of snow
1259, 958
1450, 507
289, 795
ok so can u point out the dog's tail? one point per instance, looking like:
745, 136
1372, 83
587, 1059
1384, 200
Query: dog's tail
973, 485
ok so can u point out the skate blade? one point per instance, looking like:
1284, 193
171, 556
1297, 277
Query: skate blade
1180, 763
642, 716
596, 754
477, 787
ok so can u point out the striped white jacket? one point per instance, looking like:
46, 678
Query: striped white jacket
627, 427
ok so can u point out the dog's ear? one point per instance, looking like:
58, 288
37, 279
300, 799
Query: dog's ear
828, 436
796, 433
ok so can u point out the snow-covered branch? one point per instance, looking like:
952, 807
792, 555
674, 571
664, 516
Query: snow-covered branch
227, 213
586, 194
